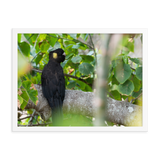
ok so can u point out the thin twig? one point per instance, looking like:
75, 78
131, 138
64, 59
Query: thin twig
35, 56
80, 79
95, 55
111, 95
30, 37
133, 68
92, 45
24, 118
37, 70
32, 117
135, 98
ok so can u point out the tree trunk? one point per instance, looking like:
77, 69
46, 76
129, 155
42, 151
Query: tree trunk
79, 102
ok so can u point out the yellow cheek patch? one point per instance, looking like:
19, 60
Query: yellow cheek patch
55, 55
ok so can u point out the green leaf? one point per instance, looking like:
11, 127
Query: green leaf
124, 40
78, 35
19, 37
33, 95
29, 76
19, 83
139, 73
116, 95
69, 55
30, 92
125, 53
38, 58
71, 85
25, 97
83, 46
38, 78
71, 64
126, 88
114, 81
25, 48
57, 45
84, 36
125, 59
76, 46
87, 58
73, 36
130, 46
64, 63
37, 47
42, 37
89, 80
136, 94
122, 72
20, 99
76, 59
81, 84
80, 46
31, 38
45, 59
26, 85
44, 46
114, 87
69, 42
137, 84
88, 88
114, 63
136, 60
52, 40
86, 68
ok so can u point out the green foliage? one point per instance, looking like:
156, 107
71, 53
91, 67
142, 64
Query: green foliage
32, 93
139, 73
122, 72
25, 48
76, 59
125, 76
126, 88
86, 68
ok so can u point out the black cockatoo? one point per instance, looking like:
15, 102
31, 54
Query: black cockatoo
53, 84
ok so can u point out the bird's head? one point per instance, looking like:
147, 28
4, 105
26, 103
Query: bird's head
58, 55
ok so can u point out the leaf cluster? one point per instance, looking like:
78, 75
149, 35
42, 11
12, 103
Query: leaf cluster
125, 77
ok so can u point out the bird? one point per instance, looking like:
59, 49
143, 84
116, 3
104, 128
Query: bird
53, 84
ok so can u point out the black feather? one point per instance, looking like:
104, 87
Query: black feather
53, 85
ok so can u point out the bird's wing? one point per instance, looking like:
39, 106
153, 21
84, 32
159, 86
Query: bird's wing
53, 86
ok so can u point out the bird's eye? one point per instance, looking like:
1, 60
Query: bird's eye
55, 55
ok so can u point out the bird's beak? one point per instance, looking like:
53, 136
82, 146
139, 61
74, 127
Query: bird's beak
64, 54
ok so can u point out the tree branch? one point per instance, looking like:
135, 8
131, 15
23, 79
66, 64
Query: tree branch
67, 75
79, 102
93, 47
24, 118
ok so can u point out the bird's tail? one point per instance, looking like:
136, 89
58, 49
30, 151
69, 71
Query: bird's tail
57, 117
57, 114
